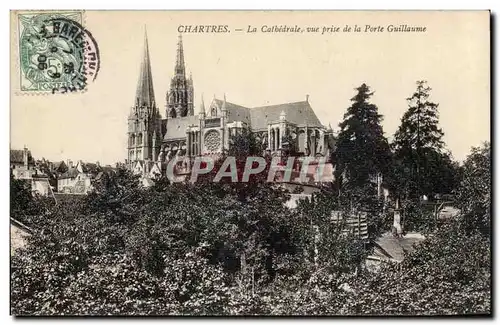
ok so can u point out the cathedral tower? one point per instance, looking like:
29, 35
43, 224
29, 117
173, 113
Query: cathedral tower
144, 121
180, 96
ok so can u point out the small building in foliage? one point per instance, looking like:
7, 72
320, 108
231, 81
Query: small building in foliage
389, 248
18, 234
21, 163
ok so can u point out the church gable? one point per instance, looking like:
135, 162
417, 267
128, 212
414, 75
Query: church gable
138, 168
155, 171
214, 109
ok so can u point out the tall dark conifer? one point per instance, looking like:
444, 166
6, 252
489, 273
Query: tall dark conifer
362, 149
420, 153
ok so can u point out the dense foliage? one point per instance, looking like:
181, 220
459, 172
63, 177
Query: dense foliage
23, 203
474, 192
219, 248
198, 249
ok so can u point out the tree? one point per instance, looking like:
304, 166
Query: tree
422, 164
26, 206
362, 149
449, 273
20, 196
474, 192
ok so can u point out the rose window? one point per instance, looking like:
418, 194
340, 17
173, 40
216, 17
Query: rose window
212, 140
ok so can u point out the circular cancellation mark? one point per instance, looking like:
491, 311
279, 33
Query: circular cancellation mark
58, 55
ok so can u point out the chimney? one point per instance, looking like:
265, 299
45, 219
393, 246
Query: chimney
25, 157
396, 227
307, 98
70, 163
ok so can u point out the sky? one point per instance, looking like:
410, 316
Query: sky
255, 69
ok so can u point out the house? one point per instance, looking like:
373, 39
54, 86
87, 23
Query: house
21, 163
58, 167
78, 179
18, 234
389, 248
40, 184
66, 181
45, 172
24, 166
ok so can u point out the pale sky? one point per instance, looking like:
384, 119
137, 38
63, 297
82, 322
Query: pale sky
255, 69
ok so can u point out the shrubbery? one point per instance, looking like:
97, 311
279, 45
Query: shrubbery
206, 249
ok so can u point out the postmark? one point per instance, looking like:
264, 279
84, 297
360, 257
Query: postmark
57, 54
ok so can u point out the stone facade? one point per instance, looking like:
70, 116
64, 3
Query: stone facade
153, 141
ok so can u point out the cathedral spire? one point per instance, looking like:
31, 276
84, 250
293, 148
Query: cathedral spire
202, 107
180, 68
181, 94
145, 93
224, 103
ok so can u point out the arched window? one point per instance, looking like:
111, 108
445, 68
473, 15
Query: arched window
213, 111
271, 143
139, 139
278, 139
301, 141
131, 142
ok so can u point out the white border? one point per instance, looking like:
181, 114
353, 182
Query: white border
184, 4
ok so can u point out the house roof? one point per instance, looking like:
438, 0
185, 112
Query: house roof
90, 168
39, 174
391, 247
59, 164
17, 156
108, 169
18, 234
70, 173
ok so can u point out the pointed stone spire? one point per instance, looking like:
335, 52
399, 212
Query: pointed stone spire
202, 107
145, 93
282, 115
224, 103
180, 68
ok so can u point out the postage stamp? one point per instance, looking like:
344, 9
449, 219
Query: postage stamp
57, 54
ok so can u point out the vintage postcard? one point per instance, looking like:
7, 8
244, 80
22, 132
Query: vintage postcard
271, 163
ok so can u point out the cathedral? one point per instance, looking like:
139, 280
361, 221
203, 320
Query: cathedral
153, 140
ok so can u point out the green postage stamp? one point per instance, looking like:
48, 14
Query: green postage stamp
56, 53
